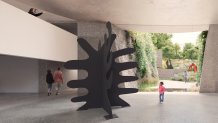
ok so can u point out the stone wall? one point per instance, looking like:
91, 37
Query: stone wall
209, 76
159, 58
165, 73
94, 32
122, 41
168, 73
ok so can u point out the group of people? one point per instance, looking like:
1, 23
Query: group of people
162, 89
56, 78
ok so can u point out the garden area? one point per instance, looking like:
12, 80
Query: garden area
174, 56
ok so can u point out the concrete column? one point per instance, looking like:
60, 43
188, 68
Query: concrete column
209, 77
94, 32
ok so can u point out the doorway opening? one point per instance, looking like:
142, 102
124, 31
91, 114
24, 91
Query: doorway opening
173, 58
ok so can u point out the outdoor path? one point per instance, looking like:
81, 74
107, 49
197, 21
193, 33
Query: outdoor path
177, 85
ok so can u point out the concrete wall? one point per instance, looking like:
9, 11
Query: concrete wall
18, 75
25, 35
30, 37
168, 73
94, 32
122, 41
25, 75
209, 77
45, 65
159, 59
70, 27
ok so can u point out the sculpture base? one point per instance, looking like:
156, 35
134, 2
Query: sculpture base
108, 117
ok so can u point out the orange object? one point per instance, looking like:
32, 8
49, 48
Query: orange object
193, 67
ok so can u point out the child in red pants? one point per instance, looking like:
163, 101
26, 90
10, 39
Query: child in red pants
161, 92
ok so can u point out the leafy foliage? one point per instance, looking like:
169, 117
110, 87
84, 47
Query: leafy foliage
190, 51
168, 52
173, 51
177, 50
148, 86
161, 40
201, 46
145, 55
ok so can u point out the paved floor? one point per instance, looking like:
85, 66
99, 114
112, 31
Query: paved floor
177, 108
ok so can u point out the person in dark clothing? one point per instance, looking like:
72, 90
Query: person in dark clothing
50, 81
33, 12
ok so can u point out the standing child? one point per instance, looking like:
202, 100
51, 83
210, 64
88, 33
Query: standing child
161, 92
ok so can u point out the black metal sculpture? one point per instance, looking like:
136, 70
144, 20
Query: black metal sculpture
103, 75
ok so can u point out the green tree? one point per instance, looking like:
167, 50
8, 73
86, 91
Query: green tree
168, 52
161, 40
188, 46
190, 51
145, 55
177, 49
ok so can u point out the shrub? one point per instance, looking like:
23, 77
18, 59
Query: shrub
145, 55
148, 85
201, 44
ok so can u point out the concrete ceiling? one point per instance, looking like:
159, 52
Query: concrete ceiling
141, 15
47, 16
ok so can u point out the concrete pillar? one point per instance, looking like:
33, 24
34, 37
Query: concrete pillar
209, 77
94, 32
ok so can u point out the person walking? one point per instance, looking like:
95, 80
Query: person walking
58, 78
49, 81
161, 92
185, 75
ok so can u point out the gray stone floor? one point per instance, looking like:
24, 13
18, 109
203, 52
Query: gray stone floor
177, 108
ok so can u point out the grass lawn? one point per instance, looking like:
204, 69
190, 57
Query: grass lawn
147, 86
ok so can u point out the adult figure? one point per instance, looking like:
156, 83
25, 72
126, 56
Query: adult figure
49, 81
33, 11
185, 75
58, 78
